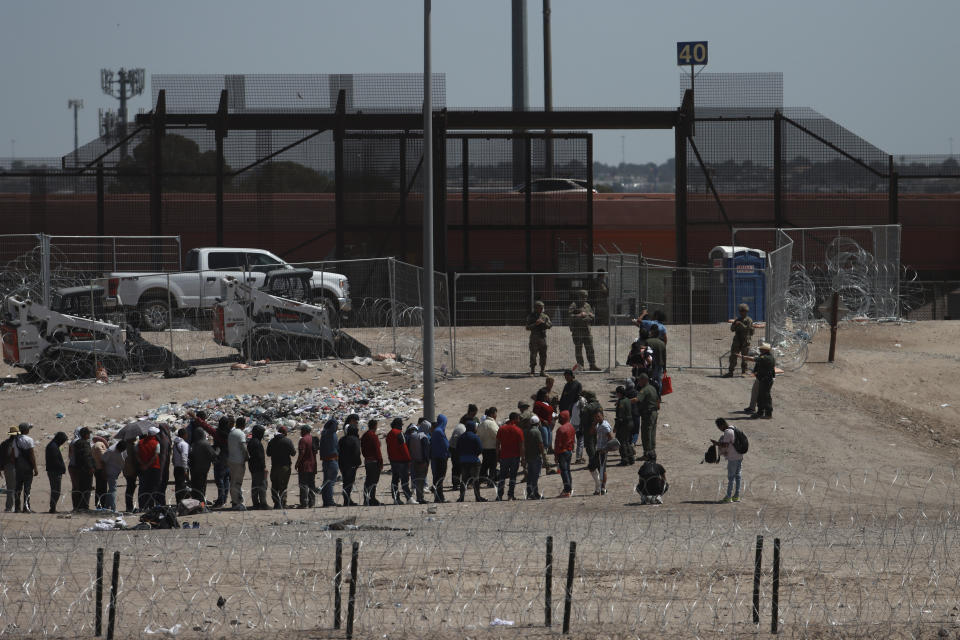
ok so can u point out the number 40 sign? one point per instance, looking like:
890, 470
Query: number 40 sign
691, 53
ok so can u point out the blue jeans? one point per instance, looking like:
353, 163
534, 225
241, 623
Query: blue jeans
330, 471
563, 460
221, 477
508, 469
109, 500
734, 474
534, 465
545, 434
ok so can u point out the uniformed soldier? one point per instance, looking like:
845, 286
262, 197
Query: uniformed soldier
623, 427
765, 368
649, 402
581, 317
537, 324
742, 329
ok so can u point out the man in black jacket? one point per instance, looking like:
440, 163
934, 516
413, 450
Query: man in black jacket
202, 455
55, 467
258, 468
281, 452
350, 460
83, 457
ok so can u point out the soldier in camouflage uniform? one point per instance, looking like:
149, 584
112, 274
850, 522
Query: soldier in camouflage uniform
765, 368
581, 317
537, 324
742, 329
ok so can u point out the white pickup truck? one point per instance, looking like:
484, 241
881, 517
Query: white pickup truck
149, 298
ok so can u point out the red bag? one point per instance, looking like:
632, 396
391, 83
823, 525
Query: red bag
667, 385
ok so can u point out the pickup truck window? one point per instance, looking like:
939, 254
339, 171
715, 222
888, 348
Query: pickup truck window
262, 263
224, 260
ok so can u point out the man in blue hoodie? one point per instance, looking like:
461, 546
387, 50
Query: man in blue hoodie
439, 453
418, 441
469, 449
328, 457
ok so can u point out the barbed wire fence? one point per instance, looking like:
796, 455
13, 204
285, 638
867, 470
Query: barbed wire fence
864, 554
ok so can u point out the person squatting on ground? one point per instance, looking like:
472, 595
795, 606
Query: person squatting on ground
581, 317
651, 481
765, 369
734, 460
469, 451
439, 454
351, 458
372, 464
742, 328
537, 324
306, 467
56, 469
399, 455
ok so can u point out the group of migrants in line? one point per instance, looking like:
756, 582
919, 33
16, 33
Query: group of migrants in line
480, 450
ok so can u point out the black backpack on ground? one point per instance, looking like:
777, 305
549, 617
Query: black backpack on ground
740, 442
161, 517
711, 456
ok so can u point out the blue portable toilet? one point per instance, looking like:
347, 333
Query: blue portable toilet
746, 268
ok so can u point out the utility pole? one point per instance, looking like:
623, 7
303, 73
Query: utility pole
130, 83
76, 104
547, 87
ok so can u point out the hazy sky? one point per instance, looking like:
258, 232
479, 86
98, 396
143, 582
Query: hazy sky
883, 69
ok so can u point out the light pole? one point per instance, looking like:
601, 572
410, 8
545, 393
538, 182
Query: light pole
76, 104
428, 311
130, 83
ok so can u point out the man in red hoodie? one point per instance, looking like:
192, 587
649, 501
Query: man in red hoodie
399, 456
509, 453
306, 467
563, 445
372, 463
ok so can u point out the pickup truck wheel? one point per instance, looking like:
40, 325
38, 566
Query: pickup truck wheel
154, 315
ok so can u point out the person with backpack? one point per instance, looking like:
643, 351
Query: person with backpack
25, 460
648, 403
734, 459
652, 481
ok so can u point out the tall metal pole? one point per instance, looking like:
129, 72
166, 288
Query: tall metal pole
428, 311
547, 87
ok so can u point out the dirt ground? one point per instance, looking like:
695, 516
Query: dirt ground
855, 474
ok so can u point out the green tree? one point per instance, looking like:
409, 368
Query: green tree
186, 169
285, 177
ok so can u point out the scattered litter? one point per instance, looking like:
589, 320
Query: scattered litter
107, 524
144, 396
172, 631
59, 416
497, 622
864, 379
432, 509
897, 345
239, 366
363, 362
83, 400
385, 356
303, 365
944, 405
666, 425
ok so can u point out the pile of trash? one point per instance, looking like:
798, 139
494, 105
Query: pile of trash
312, 406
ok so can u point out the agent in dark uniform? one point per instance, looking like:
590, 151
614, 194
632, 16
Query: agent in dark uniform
649, 402
537, 324
581, 317
765, 369
742, 329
